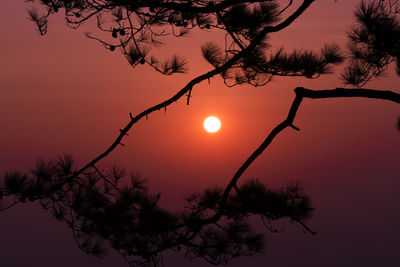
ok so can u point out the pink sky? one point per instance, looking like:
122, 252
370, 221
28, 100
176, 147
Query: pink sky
64, 93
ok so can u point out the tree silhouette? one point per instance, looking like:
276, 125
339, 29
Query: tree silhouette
114, 209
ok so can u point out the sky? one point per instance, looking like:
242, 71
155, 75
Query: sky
65, 94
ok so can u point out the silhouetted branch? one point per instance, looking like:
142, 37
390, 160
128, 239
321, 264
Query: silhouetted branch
280, 127
308, 229
343, 92
9, 206
288, 122
286, 7
185, 90
105, 178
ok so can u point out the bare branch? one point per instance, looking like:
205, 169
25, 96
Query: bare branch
9, 206
288, 122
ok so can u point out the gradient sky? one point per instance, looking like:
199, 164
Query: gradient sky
64, 93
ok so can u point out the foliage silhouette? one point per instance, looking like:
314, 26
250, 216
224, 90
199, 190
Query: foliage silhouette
120, 210
113, 209
374, 41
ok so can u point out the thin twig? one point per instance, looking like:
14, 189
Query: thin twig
9, 206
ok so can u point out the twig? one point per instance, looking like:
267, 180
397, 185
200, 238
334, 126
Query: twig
105, 178
9, 206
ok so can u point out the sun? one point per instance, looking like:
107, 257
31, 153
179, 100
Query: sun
212, 124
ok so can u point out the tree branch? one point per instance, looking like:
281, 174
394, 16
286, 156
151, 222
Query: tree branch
9, 206
288, 122
192, 83
343, 92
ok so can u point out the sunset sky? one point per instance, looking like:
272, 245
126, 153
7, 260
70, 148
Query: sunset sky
66, 94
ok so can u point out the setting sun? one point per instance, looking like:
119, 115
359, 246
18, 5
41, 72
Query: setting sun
212, 124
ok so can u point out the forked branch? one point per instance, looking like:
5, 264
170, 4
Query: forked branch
288, 122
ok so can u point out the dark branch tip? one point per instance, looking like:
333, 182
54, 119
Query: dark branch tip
294, 127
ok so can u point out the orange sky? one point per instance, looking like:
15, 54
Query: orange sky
64, 93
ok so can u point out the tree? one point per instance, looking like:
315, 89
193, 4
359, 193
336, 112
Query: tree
216, 225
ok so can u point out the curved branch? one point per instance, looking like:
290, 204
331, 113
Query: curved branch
9, 206
192, 83
270, 137
286, 7
288, 122
159, 106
